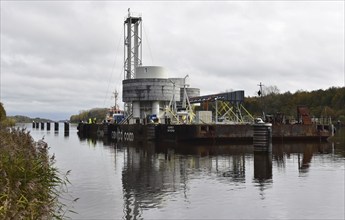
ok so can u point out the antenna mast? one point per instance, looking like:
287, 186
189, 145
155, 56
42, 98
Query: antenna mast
116, 96
262, 104
260, 91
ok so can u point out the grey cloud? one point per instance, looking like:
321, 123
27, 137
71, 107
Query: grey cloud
68, 56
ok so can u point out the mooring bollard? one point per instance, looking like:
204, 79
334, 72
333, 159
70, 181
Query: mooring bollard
262, 135
37, 125
66, 127
42, 125
56, 126
33, 124
48, 126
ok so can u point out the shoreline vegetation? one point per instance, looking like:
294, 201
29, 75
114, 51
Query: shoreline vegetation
31, 187
329, 103
25, 119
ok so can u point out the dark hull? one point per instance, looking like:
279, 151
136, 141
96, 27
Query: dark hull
201, 133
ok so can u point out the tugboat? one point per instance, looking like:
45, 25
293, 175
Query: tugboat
114, 114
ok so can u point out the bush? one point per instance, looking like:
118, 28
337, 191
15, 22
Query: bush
4, 121
30, 185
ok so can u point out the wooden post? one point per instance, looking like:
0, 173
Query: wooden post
66, 127
56, 126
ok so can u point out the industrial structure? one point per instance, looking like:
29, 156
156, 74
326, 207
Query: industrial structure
160, 107
151, 94
148, 91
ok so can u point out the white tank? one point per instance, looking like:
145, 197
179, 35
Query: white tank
136, 109
155, 108
144, 72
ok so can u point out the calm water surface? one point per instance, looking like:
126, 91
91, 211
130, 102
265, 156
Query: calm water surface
146, 181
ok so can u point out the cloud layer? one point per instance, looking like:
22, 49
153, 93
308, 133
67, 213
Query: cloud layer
61, 57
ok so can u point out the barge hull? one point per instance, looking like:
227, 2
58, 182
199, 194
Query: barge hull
200, 133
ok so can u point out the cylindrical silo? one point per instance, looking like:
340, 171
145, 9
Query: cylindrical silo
136, 109
155, 108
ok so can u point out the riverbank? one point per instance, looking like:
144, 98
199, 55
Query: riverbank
30, 184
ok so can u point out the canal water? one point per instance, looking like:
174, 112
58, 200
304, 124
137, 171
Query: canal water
158, 181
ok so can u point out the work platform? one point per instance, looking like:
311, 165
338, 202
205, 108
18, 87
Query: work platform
201, 133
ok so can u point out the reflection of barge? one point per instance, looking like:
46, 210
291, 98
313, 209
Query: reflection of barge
158, 107
152, 173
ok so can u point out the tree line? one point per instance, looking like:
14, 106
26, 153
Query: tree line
321, 103
96, 113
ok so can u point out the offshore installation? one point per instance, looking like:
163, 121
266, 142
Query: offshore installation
159, 107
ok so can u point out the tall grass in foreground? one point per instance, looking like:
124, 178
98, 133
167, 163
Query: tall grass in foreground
30, 185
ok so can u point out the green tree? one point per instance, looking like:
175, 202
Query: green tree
326, 103
4, 121
2, 112
98, 113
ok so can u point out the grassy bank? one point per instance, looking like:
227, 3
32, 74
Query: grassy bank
30, 185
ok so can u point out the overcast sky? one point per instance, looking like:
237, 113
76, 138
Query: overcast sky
60, 57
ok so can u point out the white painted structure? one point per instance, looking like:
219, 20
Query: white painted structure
151, 72
147, 90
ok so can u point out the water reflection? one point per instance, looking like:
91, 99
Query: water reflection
154, 174
262, 170
262, 166
304, 151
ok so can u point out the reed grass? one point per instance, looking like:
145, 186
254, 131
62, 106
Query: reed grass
30, 185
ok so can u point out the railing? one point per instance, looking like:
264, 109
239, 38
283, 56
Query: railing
126, 119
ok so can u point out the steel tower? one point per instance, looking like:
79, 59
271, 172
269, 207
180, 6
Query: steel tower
132, 50
132, 42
